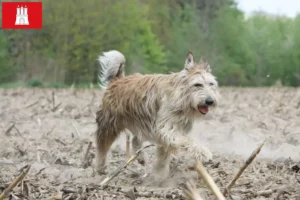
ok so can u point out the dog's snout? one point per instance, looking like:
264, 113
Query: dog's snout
209, 101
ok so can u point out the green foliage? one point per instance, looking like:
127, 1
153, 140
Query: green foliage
35, 83
155, 37
272, 40
6, 69
56, 85
183, 39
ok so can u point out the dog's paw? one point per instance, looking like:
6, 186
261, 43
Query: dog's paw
206, 154
101, 171
100, 167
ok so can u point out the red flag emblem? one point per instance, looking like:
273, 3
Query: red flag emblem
22, 15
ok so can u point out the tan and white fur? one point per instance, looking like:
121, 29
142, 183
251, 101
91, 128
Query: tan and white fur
159, 108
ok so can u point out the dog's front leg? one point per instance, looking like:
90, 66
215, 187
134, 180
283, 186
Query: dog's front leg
176, 141
172, 143
201, 153
162, 166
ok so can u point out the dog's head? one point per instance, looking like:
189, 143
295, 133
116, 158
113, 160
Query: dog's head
202, 85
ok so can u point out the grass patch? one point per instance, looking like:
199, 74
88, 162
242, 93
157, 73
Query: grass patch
11, 85
56, 85
40, 84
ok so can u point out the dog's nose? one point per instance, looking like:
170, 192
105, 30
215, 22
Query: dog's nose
209, 101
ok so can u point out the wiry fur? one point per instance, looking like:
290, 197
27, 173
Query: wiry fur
158, 108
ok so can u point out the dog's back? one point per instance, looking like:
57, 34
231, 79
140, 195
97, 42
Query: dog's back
133, 94
132, 98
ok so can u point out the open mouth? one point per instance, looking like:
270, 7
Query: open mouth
203, 109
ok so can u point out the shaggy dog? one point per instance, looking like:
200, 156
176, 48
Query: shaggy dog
160, 108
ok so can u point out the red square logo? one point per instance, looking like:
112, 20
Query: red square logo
22, 15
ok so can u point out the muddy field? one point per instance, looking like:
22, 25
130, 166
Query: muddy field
51, 129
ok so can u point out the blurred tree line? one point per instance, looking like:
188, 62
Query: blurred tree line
155, 37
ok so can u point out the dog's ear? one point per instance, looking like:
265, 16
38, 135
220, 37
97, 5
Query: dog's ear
189, 62
204, 64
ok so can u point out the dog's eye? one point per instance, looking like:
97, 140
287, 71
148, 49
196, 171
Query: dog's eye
211, 84
198, 85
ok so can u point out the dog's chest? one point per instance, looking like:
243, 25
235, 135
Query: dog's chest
185, 126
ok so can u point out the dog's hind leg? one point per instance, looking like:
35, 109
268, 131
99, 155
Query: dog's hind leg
136, 145
104, 140
107, 132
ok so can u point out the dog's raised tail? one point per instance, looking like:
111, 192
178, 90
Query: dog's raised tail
112, 65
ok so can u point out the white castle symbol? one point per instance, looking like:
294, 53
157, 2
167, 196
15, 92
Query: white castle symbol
22, 16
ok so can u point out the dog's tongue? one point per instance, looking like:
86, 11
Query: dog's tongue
203, 109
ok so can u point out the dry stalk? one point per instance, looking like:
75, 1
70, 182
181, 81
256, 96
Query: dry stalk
242, 169
85, 159
190, 191
265, 193
55, 107
15, 182
9, 128
30, 105
119, 170
19, 133
127, 145
56, 196
53, 100
209, 181
77, 131
13, 125
49, 132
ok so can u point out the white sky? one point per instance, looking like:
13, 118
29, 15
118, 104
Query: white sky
283, 7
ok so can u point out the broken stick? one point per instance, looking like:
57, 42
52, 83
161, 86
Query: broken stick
190, 191
246, 164
15, 182
119, 170
209, 181
30, 105
86, 156
9, 128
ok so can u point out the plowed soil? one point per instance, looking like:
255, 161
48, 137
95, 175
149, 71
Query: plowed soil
51, 129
